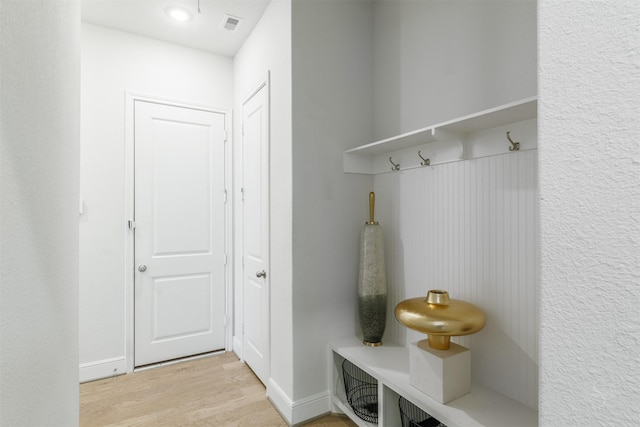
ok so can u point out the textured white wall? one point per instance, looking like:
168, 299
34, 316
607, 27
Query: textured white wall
589, 133
114, 62
39, 155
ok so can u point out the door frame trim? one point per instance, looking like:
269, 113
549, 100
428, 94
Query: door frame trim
129, 203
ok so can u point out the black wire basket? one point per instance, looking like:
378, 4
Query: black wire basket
412, 416
362, 392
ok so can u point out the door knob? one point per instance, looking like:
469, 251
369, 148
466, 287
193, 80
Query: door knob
261, 274
142, 268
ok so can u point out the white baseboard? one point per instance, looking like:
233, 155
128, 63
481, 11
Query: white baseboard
301, 410
280, 401
311, 407
102, 369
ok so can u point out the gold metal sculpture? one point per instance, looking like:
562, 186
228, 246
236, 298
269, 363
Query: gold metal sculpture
440, 317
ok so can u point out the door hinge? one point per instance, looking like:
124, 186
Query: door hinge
131, 224
225, 136
242, 194
225, 195
225, 259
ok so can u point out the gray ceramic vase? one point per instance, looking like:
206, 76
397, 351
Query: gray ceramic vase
372, 285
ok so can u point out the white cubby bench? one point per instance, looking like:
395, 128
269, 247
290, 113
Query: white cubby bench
389, 365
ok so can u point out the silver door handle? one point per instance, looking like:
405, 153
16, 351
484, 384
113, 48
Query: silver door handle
142, 268
261, 274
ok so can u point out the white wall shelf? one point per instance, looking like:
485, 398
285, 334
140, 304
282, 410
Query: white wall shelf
389, 365
447, 138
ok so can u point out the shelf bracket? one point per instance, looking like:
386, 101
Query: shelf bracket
515, 146
440, 134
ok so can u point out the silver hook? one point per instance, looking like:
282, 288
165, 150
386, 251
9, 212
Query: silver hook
424, 162
396, 167
515, 146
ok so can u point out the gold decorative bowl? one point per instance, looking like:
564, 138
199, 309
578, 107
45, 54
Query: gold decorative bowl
440, 317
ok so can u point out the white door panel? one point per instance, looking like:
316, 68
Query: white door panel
181, 306
255, 210
180, 232
181, 189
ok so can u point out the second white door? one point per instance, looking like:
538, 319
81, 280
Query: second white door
255, 219
180, 232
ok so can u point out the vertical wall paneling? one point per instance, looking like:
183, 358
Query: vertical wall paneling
470, 228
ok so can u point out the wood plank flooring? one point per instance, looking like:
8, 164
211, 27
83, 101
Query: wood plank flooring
213, 391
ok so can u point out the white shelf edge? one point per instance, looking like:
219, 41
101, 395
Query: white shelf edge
492, 111
463, 411
374, 147
451, 128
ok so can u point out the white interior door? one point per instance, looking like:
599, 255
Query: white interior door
180, 232
255, 212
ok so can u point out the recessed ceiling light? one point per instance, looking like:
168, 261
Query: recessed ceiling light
178, 13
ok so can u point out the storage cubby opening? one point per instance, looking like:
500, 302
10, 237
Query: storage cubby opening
413, 416
361, 390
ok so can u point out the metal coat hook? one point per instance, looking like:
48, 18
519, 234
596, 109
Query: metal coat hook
424, 162
515, 146
396, 167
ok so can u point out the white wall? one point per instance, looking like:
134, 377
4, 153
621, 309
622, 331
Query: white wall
332, 111
268, 48
39, 154
468, 227
438, 60
114, 62
589, 116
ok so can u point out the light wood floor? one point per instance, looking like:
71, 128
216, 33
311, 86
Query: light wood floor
213, 391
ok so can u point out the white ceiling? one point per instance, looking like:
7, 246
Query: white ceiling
204, 31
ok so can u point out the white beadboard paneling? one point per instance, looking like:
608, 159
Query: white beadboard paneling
470, 228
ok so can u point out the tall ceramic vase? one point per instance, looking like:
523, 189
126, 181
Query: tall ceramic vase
372, 284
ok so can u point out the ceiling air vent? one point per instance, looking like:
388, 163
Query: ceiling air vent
230, 22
